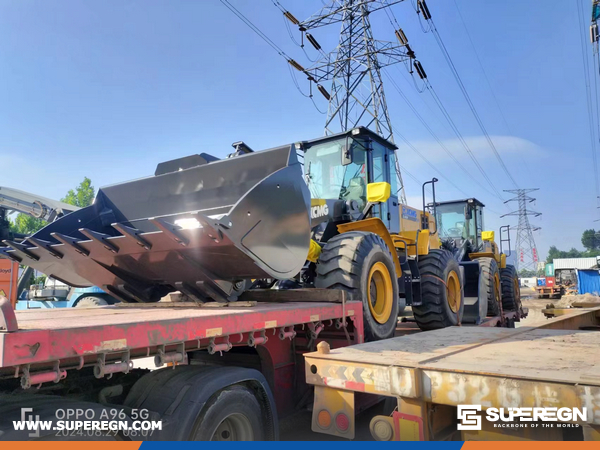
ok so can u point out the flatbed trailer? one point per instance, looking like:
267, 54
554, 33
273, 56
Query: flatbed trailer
429, 375
83, 358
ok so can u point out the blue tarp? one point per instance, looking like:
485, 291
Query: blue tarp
589, 281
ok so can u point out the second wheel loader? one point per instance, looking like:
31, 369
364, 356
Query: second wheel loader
322, 213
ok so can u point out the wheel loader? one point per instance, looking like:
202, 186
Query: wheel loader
491, 286
322, 213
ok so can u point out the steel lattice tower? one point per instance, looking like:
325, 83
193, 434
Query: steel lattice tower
527, 256
354, 68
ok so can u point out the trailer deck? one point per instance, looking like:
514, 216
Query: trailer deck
555, 364
42, 345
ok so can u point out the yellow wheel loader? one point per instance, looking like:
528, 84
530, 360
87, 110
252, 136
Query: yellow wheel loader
322, 213
491, 287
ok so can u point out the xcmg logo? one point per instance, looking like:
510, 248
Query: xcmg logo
471, 420
319, 211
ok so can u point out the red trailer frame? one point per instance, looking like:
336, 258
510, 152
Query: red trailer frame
47, 345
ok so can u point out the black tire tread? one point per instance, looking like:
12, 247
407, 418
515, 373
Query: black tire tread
431, 314
489, 266
510, 301
340, 266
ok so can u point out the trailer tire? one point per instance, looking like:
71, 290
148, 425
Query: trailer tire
232, 414
360, 263
90, 301
511, 293
442, 302
490, 285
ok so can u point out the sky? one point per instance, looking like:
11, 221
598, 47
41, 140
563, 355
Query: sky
108, 89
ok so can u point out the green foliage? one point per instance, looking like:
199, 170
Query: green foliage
40, 280
554, 253
82, 195
27, 225
591, 239
524, 273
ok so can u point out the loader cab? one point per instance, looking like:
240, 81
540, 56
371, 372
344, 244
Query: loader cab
460, 222
339, 167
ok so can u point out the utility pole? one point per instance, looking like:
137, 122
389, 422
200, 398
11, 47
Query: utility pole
527, 256
354, 68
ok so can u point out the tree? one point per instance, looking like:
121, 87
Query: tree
524, 273
590, 240
25, 224
82, 196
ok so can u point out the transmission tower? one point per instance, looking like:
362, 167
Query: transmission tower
354, 68
527, 256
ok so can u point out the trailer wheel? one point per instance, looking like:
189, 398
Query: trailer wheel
442, 302
489, 285
360, 263
232, 414
90, 301
511, 293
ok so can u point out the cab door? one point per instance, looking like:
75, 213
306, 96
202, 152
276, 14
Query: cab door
382, 167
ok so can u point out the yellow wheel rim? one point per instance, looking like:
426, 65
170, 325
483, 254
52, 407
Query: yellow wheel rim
453, 291
380, 292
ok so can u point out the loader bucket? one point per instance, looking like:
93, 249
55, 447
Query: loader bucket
201, 230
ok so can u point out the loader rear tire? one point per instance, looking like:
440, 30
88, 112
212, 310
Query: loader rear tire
360, 263
441, 291
489, 285
511, 292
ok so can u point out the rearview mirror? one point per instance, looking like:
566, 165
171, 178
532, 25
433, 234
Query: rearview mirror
347, 152
468, 213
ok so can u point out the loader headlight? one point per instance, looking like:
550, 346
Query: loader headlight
188, 224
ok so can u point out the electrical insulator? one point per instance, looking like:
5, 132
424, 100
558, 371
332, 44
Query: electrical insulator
409, 51
323, 91
594, 33
424, 9
401, 37
420, 70
289, 16
313, 41
296, 66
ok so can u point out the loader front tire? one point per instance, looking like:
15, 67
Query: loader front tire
489, 285
442, 302
360, 263
511, 292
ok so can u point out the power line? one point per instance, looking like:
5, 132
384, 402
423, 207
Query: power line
435, 136
486, 77
272, 44
586, 75
421, 9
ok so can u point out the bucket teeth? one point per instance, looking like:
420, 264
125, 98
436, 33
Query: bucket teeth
22, 249
170, 230
101, 238
71, 242
45, 245
6, 251
134, 234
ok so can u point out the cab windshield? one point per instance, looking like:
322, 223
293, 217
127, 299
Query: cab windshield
452, 222
327, 178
